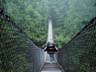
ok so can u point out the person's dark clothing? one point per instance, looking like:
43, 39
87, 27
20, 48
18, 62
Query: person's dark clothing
51, 48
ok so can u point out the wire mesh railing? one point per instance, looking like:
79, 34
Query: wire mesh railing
79, 55
17, 52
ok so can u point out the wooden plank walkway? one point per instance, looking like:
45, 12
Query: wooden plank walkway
48, 67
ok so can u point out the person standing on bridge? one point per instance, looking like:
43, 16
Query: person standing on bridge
51, 50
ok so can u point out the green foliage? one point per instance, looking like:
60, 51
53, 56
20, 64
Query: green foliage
68, 17
30, 14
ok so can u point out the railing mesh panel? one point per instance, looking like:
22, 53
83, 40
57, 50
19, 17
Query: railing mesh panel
79, 55
17, 52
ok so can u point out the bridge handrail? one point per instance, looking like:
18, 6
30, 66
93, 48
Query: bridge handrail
79, 54
17, 51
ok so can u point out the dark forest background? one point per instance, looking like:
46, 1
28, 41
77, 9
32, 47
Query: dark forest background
68, 16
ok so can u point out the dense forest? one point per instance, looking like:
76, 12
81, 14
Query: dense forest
68, 17
25, 22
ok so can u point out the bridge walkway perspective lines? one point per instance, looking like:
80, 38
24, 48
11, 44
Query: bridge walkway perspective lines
51, 67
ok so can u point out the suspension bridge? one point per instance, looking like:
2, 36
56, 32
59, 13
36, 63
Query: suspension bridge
18, 53
48, 67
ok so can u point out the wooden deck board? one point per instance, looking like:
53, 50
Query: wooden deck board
51, 68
